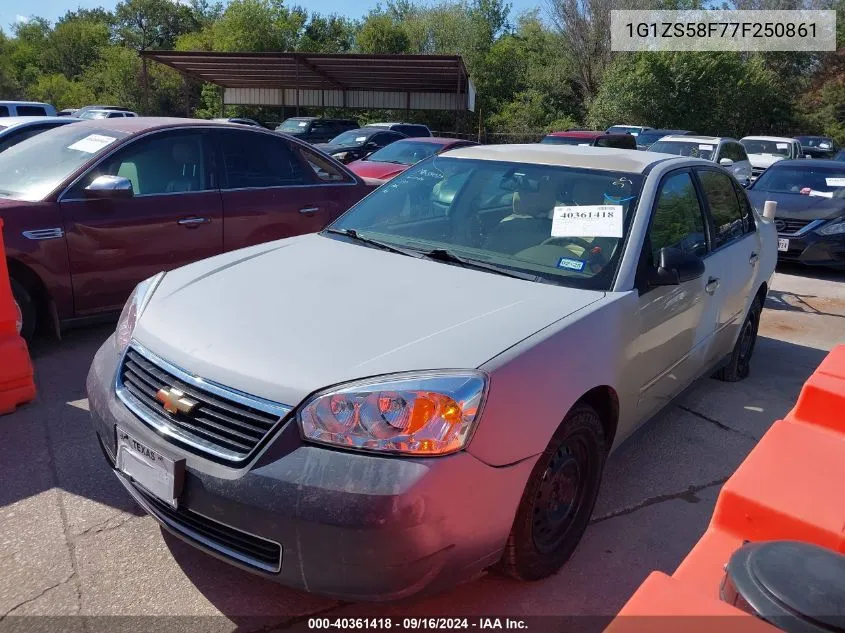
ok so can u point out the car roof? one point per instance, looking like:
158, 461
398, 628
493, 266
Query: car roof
434, 140
136, 125
603, 158
13, 121
578, 134
689, 138
667, 132
12, 102
777, 139
830, 165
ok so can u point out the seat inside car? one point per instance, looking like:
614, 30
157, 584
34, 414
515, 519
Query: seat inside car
186, 169
530, 223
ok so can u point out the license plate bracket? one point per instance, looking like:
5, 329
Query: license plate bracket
158, 474
783, 244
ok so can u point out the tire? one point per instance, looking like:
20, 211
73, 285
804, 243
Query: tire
26, 307
739, 365
559, 497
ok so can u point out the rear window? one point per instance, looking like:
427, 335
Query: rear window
693, 149
31, 110
566, 140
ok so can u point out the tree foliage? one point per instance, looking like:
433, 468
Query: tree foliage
531, 73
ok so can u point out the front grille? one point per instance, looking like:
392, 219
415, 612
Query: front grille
240, 546
224, 423
788, 226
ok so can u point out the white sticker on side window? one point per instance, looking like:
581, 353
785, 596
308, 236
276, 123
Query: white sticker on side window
835, 182
92, 143
706, 147
603, 220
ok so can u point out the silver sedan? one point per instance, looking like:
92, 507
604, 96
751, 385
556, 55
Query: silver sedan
431, 386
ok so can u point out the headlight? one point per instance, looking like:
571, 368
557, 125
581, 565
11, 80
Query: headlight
430, 413
132, 310
834, 228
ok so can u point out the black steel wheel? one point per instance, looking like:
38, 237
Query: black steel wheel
739, 366
558, 499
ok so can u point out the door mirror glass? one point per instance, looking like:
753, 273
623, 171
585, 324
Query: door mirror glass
675, 267
109, 187
725, 162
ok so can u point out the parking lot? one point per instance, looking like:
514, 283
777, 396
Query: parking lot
73, 543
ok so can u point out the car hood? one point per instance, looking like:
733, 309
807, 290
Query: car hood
376, 169
797, 206
284, 319
763, 161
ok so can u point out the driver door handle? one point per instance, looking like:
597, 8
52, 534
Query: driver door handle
753, 259
193, 221
309, 210
711, 286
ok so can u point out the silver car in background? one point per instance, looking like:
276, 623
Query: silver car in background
431, 385
724, 151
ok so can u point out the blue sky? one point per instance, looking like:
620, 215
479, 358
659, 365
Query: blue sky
16, 10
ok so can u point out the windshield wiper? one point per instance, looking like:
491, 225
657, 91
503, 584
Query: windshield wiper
443, 255
353, 234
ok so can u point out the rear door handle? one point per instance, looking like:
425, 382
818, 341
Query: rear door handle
753, 259
711, 286
309, 210
193, 221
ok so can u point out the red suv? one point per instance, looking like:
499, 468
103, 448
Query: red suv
93, 208
591, 138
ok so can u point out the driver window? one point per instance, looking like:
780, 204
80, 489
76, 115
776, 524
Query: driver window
159, 165
678, 221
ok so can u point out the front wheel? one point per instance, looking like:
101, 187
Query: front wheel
25, 306
558, 499
739, 365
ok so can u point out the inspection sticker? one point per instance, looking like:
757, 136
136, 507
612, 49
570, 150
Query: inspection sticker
92, 143
835, 182
602, 220
571, 264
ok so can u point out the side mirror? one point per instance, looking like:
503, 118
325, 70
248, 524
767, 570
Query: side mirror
725, 162
675, 267
110, 188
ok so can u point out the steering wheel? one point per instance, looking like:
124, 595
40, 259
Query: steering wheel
578, 241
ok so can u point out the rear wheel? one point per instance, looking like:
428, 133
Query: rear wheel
559, 498
739, 365
27, 313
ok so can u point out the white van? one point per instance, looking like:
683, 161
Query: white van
26, 108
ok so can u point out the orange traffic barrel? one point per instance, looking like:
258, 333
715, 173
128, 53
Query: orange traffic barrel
17, 382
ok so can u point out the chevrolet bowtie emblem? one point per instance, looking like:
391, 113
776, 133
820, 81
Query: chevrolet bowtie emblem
175, 401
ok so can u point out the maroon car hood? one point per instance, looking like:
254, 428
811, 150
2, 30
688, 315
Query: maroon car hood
375, 169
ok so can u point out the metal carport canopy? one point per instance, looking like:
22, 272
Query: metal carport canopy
416, 82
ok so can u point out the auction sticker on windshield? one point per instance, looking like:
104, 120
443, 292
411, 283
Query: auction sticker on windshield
835, 182
604, 220
92, 143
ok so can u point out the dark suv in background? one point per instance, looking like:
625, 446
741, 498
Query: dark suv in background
314, 129
411, 130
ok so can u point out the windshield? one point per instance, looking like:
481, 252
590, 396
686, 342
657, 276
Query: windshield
567, 140
94, 114
807, 181
352, 137
685, 148
405, 152
293, 126
774, 148
647, 138
815, 141
33, 168
564, 225
624, 129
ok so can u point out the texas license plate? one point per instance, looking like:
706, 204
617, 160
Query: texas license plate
783, 245
159, 475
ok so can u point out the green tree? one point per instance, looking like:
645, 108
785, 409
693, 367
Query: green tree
381, 35
74, 44
57, 89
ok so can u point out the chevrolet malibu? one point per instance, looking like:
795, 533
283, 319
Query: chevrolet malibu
431, 385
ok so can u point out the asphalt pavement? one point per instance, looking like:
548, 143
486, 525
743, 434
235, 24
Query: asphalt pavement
73, 543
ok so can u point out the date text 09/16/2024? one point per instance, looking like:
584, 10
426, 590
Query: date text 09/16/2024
417, 624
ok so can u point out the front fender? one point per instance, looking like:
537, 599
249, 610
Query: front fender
535, 383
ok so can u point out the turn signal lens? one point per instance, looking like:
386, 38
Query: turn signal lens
430, 414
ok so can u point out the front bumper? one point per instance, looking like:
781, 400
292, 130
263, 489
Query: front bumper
813, 249
348, 525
